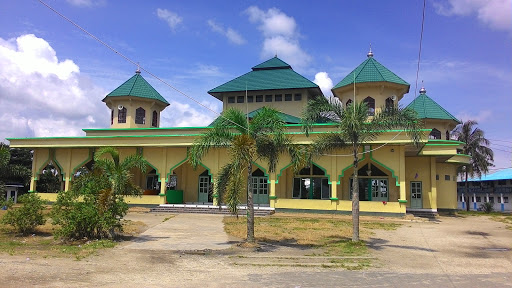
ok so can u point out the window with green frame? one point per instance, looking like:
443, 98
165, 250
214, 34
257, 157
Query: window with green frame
311, 183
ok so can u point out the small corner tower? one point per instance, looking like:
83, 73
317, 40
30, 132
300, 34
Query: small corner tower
373, 83
135, 104
434, 116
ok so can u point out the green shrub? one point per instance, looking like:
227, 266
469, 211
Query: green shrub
487, 207
88, 209
28, 216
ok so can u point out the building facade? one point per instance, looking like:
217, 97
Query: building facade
395, 176
495, 188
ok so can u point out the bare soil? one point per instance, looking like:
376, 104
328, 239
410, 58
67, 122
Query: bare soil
444, 249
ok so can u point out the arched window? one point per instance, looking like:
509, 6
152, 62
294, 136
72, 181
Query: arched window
154, 120
121, 115
140, 116
371, 105
435, 134
112, 117
349, 102
311, 183
389, 103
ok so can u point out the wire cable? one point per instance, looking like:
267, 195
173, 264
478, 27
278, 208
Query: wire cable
137, 64
419, 52
364, 152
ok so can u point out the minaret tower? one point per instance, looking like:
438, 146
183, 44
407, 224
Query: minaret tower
135, 104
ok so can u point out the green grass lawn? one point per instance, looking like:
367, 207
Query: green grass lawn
331, 234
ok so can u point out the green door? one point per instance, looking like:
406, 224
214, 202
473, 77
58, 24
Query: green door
416, 197
204, 185
379, 188
260, 190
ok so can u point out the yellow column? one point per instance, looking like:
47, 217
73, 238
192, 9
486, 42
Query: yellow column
401, 177
163, 188
67, 183
272, 191
433, 183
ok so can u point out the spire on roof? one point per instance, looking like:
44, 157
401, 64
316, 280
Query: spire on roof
423, 90
370, 54
138, 68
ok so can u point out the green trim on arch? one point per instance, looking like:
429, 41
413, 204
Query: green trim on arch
272, 197
91, 155
389, 169
281, 172
262, 169
175, 166
350, 166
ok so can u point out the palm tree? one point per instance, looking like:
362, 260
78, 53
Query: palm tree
353, 128
118, 174
263, 137
476, 146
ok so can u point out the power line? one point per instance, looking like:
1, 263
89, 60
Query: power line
364, 152
419, 52
137, 64
506, 141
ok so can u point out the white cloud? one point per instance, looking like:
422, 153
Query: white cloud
232, 35
42, 96
170, 17
86, 3
281, 36
322, 79
497, 14
184, 115
481, 117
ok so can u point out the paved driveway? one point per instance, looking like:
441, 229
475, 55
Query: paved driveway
184, 232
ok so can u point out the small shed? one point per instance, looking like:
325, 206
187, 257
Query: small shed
12, 191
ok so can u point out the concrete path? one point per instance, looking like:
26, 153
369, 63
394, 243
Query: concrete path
184, 232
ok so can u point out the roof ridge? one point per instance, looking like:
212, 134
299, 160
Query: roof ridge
376, 66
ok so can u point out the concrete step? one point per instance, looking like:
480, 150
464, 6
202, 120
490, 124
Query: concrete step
424, 214
209, 210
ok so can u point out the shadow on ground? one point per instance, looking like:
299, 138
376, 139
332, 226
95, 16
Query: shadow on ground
379, 244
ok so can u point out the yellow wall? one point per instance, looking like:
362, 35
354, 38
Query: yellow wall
441, 125
364, 206
293, 107
131, 104
378, 91
447, 189
418, 169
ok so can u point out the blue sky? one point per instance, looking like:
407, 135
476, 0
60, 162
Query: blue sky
53, 76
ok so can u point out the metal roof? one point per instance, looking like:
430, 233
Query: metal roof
137, 86
499, 175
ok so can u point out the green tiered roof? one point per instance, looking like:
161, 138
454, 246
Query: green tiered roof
137, 86
289, 119
429, 109
371, 71
269, 75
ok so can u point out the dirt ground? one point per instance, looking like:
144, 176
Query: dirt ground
450, 252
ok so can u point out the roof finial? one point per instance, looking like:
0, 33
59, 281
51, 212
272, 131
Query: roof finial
276, 55
138, 68
422, 90
370, 54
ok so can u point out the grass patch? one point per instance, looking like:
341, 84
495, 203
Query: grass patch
507, 219
477, 213
331, 234
43, 244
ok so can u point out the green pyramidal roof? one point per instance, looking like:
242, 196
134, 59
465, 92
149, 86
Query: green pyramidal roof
269, 75
371, 71
429, 109
272, 63
287, 118
137, 86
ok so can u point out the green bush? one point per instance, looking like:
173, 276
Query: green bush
28, 216
487, 207
88, 209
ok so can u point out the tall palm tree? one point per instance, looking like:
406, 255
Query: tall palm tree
353, 128
263, 137
476, 146
118, 173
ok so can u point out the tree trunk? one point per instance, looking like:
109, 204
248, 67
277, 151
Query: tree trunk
467, 189
250, 205
355, 200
